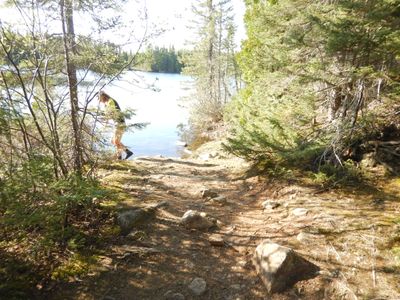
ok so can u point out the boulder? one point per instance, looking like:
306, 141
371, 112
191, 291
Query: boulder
193, 219
198, 286
280, 267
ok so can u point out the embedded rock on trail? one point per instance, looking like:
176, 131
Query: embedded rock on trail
129, 219
193, 219
298, 212
198, 286
170, 295
207, 193
216, 240
218, 201
280, 267
269, 204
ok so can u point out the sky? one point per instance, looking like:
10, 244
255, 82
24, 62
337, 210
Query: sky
171, 16
177, 15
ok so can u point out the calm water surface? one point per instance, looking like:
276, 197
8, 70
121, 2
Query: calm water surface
157, 99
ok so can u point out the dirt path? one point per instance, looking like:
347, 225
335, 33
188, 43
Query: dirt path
346, 235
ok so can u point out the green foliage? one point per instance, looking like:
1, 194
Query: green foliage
34, 202
76, 265
48, 146
99, 57
41, 216
318, 77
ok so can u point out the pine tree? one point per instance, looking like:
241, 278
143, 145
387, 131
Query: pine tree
210, 61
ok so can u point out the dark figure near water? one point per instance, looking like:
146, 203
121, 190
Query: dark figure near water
113, 112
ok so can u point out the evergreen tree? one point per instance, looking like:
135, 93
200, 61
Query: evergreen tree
210, 62
318, 77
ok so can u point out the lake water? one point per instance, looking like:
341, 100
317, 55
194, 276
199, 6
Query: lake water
157, 99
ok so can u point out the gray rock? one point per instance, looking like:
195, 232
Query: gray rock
193, 219
298, 212
129, 219
280, 267
170, 295
269, 204
198, 286
207, 193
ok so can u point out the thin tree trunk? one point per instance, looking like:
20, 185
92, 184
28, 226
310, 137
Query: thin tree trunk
70, 49
210, 55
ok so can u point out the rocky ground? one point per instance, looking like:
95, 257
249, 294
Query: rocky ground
351, 235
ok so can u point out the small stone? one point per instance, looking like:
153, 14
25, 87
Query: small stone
170, 295
269, 204
236, 287
193, 219
298, 212
216, 240
198, 286
207, 193
231, 229
220, 201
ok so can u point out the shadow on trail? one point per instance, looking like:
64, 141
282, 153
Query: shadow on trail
181, 254
18, 278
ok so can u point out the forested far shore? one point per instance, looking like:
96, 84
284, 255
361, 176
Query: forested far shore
157, 59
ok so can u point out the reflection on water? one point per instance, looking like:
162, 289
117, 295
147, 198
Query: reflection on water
155, 97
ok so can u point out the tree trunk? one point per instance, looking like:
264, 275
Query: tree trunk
66, 7
210, 51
